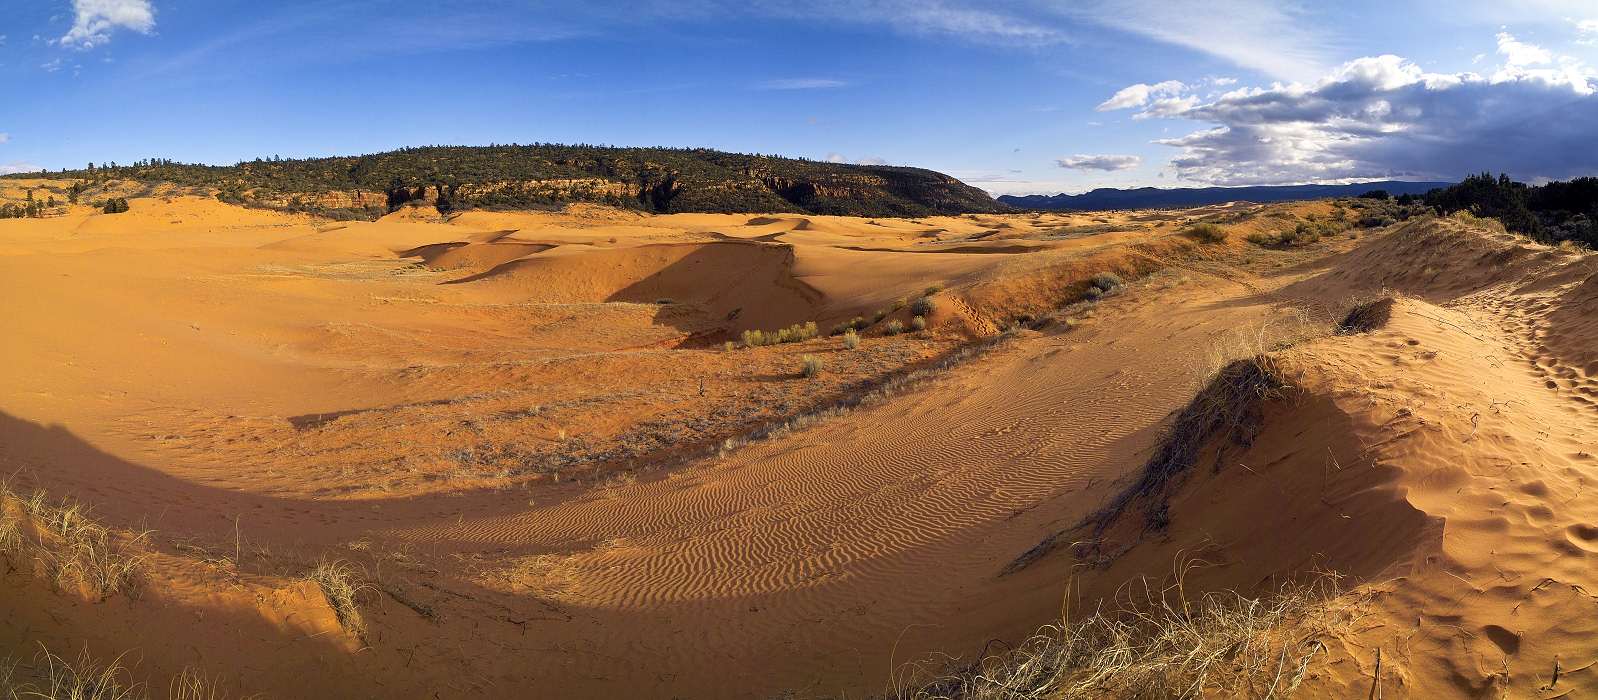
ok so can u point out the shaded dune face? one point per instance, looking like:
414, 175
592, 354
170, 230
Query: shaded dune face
735, 284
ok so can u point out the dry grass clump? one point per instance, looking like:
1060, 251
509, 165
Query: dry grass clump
894, 327
811, 366
340, 583
918, 323
1229, 407
72, 547
1206, 233
1102, 285
1223, 645
84, 678
1367, 317
855, 324
922, 307
851, 339
792, 334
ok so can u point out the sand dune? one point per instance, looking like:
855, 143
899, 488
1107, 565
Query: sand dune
523, 427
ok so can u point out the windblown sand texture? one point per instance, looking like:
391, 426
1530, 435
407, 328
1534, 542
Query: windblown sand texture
524, 431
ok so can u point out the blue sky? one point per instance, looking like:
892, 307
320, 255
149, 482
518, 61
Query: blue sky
1016, 96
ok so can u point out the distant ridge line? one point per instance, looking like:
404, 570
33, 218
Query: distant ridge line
1153, 197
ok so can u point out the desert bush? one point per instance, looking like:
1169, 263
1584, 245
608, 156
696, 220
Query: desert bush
730, 346
792, 334
918, 323
921, 307
811, 366
877, 317
115, 205
1304, 233
934, 289
895, 327
1207, 233
665, 301
897, 304
851, 339
1107, 281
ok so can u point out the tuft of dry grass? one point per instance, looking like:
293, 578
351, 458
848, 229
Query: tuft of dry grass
1228, 407
85, 678
341, 584
1157, 644
812, 366
74, 548
1367, 317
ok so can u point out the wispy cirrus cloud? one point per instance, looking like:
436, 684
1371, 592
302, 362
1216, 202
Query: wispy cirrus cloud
1273, 37
1104, 162
801, 84
94, 21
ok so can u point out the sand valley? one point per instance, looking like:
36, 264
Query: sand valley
532, 454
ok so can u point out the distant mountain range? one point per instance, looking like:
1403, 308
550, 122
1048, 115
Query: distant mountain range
1154, 197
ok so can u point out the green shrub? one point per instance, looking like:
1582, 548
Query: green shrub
895, 327
921, 307
934, 289
919, 323
851, 340
116, 205
812, 366
730, 346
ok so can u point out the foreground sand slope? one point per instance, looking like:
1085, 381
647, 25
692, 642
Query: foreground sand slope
1439, 456
432, 400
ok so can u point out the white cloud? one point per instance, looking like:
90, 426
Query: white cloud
1106, 163
18, 167
1139, 95
1587, 31
5, 137
1383, 116
51, 66
1518, 54
95, 20
800, 84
